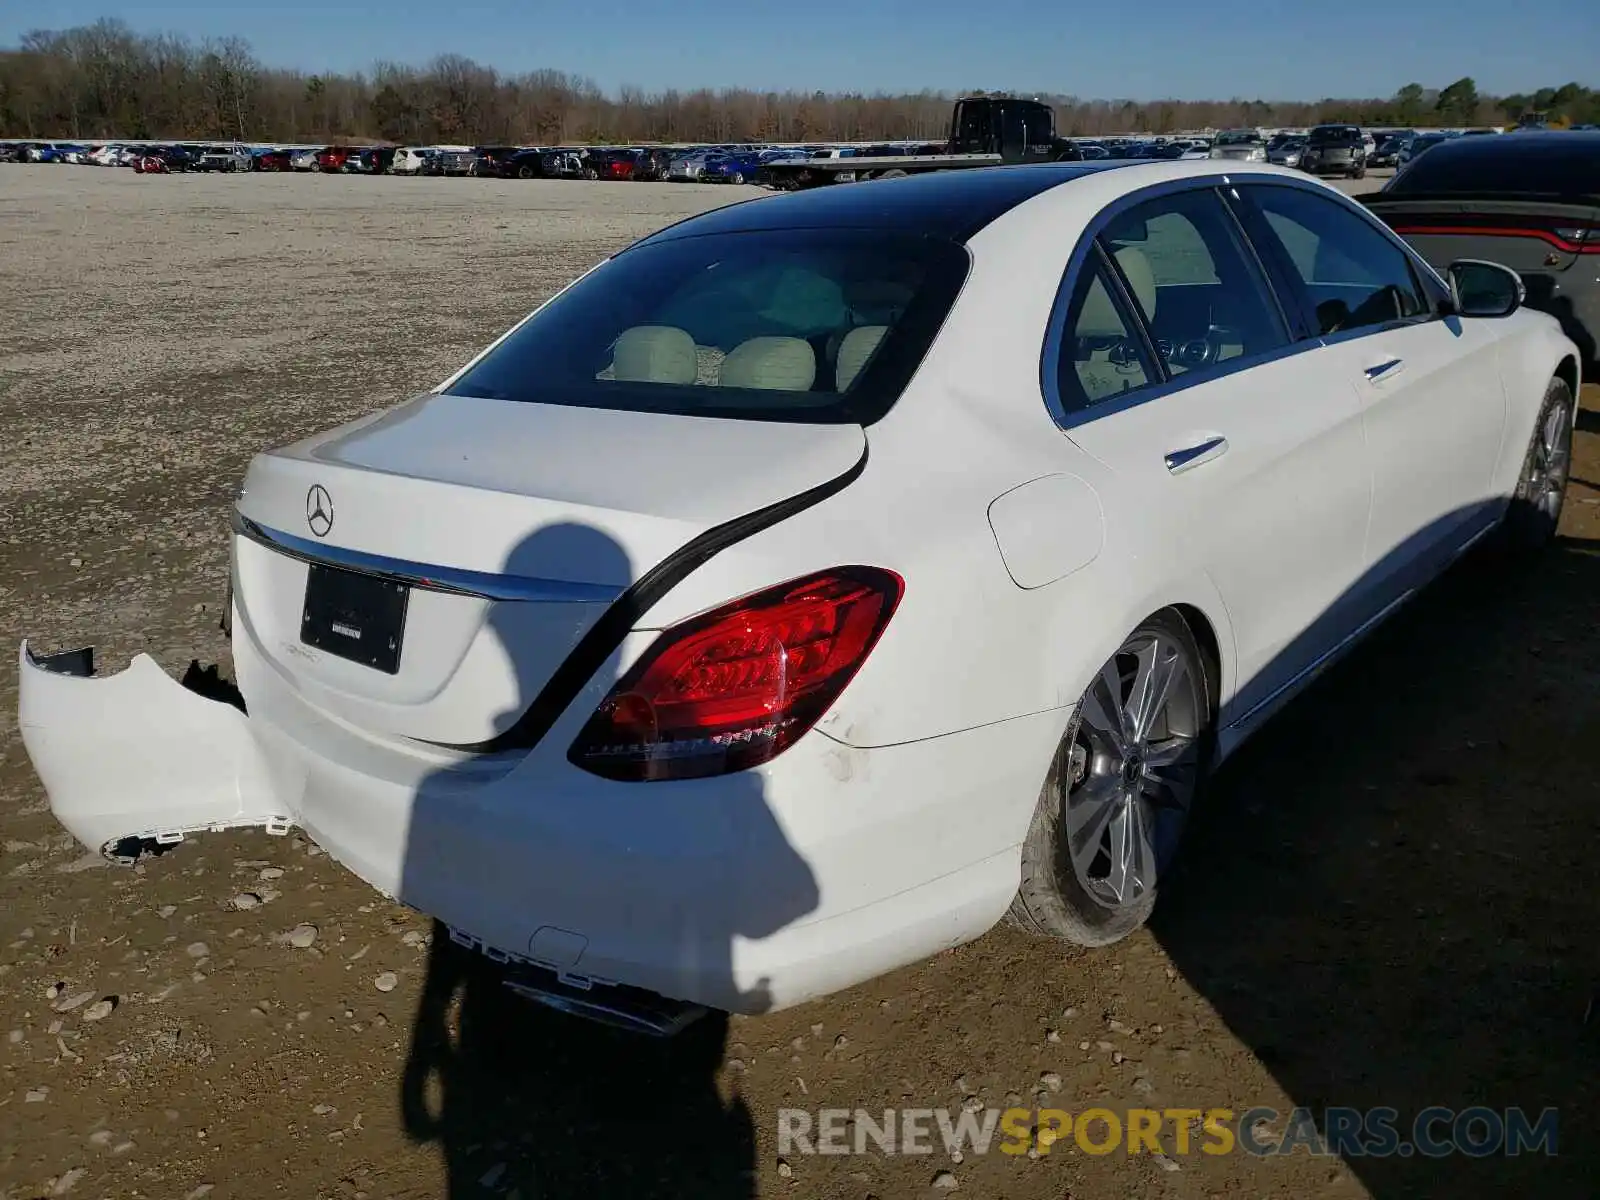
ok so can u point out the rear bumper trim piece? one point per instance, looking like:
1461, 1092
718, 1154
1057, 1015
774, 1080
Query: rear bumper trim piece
454, 580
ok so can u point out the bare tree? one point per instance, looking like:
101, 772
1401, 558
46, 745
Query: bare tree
105, 80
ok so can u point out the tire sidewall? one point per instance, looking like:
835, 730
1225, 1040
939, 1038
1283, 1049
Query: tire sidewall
1526, 527
1050, 899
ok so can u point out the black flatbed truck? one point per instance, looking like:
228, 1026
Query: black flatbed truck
985, 131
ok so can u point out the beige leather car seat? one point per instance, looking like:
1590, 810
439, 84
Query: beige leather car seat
857, 347
655, 354
772, 363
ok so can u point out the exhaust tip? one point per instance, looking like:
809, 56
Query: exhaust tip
632, 1009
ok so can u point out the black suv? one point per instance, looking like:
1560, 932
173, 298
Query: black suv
1335, 150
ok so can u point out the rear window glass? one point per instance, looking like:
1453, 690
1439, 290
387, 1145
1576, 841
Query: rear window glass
1335, 135
1511, 165
786, 325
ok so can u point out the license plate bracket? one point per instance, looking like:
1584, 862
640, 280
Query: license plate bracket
354, 616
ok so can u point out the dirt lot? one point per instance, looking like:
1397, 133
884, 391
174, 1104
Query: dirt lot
1393, 900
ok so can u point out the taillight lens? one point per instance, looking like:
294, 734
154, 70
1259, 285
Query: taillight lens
735, 687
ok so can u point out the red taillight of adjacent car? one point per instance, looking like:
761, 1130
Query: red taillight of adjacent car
735, 687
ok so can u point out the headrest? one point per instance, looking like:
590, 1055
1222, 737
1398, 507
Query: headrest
774, 363
854, 351
655, 354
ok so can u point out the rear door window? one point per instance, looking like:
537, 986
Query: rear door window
798, 325
1194, 281
1102, 356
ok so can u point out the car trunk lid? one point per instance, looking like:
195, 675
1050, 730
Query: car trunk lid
505, 529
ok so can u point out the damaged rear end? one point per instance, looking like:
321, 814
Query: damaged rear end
419, 598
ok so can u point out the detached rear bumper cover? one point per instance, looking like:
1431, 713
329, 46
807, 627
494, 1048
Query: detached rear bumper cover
116, 751
749, 893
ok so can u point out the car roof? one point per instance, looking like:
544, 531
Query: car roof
948, 204
1524, 144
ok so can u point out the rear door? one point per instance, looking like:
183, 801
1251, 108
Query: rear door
1177, 371
1429, 388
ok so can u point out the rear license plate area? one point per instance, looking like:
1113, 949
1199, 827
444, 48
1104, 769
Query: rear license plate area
357, 617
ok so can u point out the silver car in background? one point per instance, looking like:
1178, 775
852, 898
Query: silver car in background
1287, 152
686, 168
1242, 145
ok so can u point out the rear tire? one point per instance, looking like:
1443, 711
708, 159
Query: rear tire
1119, 790
1535, 510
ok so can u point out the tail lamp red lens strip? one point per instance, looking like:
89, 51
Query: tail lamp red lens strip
736, 686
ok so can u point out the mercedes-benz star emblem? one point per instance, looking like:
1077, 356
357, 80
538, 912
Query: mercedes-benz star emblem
319, 510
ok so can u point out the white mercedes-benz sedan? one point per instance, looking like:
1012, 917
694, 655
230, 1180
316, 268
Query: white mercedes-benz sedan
824, 577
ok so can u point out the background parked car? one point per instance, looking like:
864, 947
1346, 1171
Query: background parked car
270, 160
687, 166
1335, 150
457, 160
1387, 153
652, 163
739, 167
494, 160
160, 160
1245, 145
412, 160
1287, 152
561, 163
331, 159
223, 158
1530, 201
1419, 144
370, 160
303, 160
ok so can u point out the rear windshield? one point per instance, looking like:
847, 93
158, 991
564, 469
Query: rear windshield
1326, 136
1513, 163
780, 325
1238, 139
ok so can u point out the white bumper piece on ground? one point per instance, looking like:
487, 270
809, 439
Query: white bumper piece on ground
748, 893
114, 751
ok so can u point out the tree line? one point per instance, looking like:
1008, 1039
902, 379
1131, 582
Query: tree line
106, 81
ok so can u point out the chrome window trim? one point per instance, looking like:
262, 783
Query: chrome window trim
1055, 330
455, 581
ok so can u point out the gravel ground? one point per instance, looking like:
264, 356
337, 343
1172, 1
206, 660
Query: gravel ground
1393, 901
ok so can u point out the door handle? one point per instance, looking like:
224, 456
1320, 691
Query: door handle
1387, 368
1179, 461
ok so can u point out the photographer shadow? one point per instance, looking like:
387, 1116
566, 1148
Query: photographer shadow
520, 1096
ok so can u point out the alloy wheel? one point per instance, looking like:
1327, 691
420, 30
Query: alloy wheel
1552, 457
1133, 769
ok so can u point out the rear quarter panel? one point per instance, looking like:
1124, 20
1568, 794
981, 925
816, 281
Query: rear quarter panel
969, 644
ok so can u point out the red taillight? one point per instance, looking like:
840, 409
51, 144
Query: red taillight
736, 686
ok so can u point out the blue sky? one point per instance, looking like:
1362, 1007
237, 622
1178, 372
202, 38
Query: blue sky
1154, 49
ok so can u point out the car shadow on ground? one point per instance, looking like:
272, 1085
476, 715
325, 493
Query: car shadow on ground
1392, 896
519, 1096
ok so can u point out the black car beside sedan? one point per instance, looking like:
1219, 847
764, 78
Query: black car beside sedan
1529, 201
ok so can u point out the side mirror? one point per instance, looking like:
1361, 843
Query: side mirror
1484, 289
